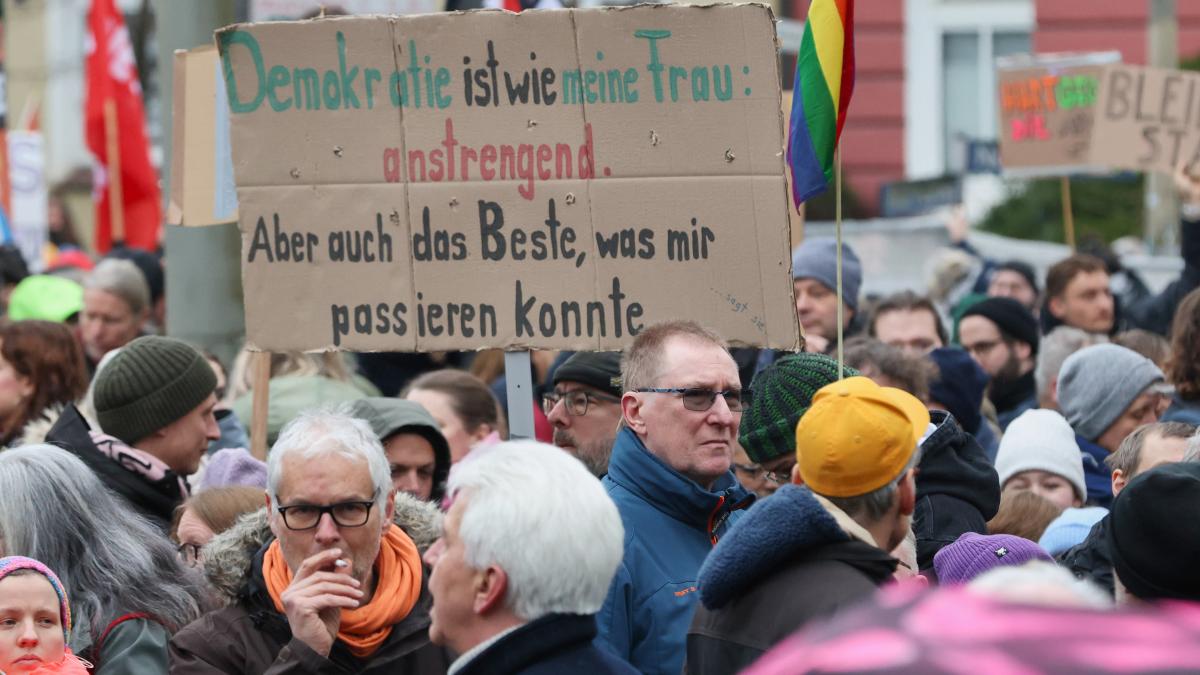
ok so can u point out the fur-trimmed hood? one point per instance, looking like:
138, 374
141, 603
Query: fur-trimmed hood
228, 556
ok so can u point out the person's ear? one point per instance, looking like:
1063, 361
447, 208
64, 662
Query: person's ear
631, 411
491, 585
1118, 482
389, 512
1055, 305
908, 493
796, 479
1022, 350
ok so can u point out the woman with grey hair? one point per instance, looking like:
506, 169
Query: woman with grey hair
116, 304
129, 591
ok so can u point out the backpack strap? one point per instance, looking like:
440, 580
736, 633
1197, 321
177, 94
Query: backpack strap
99, 644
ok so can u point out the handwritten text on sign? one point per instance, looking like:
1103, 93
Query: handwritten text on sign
550, 179
1046, 114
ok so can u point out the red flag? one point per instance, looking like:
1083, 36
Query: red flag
115, 126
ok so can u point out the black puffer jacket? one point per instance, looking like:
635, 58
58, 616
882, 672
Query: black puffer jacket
1090, 559
958, 489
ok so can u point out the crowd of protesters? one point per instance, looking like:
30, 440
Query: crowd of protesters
1017, 450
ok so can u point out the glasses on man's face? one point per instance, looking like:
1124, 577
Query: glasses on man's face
189, 554
700, 400
575, 401
344, 514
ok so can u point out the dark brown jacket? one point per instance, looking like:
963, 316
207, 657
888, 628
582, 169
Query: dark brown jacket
250, 637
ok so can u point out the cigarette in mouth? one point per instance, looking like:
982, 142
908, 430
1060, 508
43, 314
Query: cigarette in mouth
340, 563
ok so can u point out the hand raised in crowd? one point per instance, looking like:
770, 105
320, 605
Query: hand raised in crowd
314, 600
815, 344
1188, 184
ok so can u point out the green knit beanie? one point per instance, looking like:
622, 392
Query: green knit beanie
150, 383
781, 394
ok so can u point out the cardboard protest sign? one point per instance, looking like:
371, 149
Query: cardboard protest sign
1046, 105
550, 179
202, 190
1147, 119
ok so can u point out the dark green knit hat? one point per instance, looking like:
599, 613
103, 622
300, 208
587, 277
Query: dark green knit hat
150, 383
781, 393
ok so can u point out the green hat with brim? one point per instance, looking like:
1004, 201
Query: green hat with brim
45, 297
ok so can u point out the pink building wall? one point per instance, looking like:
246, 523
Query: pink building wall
873, 139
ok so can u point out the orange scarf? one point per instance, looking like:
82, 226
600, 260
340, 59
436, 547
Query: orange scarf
397, 587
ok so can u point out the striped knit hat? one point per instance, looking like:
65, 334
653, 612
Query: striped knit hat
781, 393
18, 562
150, 383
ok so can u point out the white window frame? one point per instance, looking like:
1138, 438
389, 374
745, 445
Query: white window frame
925, 24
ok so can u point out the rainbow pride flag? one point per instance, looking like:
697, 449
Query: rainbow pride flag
820, 95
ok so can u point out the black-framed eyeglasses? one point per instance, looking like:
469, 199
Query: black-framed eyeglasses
189, 554
700, 400
575, 401
344, 514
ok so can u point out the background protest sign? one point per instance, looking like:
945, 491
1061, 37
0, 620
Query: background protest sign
1046, 105
1148, 119
552, 179
202, 189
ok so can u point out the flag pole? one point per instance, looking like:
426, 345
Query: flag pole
1068, 216
837, 201
116, 199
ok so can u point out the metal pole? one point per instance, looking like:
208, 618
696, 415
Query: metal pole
518, 374
1161, 202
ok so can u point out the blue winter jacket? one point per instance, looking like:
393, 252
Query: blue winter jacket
1096, 475
671, 524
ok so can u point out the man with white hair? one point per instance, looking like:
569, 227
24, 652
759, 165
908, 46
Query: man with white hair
516, 583
340, 588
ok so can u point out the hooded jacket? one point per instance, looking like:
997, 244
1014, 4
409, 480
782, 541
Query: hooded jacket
249, 636
671, 524
958, 489
155, 499
390, 416
1096, 475
794, 557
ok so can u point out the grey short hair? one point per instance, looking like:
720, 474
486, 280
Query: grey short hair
1055, 347
112, 561
538, 514
123, 279
326, 431
871, 507
1038, 581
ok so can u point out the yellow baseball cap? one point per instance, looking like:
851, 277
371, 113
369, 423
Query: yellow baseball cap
857, 437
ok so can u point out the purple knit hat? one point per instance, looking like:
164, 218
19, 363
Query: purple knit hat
973, 554
18, 562
233, 466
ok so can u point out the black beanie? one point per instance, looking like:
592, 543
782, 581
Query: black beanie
601, 370
150, 383
1020, 267
1154, 534
1010, 316
959, 386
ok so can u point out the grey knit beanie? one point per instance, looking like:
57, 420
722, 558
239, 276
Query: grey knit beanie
152, 382
1096, 384
816, 258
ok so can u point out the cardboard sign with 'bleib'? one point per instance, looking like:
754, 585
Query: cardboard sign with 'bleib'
552, 179
1148, 119
1046, 105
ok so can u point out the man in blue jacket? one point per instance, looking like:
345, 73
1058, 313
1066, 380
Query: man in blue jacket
671, 480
